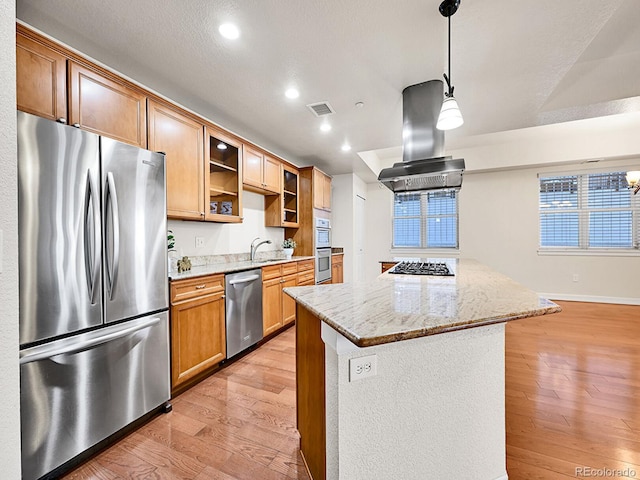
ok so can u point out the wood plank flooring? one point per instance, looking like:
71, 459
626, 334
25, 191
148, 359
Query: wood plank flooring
572, 400
238, 424
573, 393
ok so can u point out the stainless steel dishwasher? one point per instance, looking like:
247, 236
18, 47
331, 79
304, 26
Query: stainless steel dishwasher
243, 310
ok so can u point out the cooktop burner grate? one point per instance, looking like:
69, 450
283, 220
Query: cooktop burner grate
422, 268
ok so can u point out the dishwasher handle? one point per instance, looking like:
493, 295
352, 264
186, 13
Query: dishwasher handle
236, 281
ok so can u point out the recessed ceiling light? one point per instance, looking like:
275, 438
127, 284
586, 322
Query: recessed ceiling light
222, 146
346, 147
229, 30
325, 127
292, 93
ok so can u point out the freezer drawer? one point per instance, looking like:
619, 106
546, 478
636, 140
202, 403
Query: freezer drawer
77, 391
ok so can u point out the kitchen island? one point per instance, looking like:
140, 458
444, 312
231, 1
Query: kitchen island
403, 376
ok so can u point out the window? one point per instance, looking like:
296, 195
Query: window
426, 220
589, 211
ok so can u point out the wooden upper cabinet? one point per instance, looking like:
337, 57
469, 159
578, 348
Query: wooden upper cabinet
41, 79
321, 190
106, 107
180, 138
326, 193
252, 162
260, 172
222, 176
272, 174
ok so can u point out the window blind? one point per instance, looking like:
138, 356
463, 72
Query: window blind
588, 211
426, 219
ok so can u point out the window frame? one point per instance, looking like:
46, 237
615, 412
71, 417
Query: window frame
583, 211
424, 221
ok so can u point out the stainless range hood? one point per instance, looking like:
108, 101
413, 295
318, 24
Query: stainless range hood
423, 166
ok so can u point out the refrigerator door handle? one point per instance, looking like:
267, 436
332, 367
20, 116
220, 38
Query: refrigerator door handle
244, 280
44, 352
91, 234
112, 201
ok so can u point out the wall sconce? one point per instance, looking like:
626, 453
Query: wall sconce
633, 179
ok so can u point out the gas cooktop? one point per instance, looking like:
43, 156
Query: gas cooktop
422, 268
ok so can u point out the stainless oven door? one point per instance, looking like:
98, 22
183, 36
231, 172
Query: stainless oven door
323, 264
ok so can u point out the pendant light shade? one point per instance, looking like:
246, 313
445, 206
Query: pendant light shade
633, 179
450, 115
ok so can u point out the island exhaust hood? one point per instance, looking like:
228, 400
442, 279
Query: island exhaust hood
423, 166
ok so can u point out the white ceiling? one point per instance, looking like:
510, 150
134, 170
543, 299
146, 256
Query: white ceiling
515, 64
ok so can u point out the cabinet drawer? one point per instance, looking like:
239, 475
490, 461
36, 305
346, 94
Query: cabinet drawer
289, 268
196, 287
306, 278
304, 265
272, 271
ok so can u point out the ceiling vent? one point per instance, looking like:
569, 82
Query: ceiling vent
320, 109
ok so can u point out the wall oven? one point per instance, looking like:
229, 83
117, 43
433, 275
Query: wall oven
323, 249
323, 233
323, 264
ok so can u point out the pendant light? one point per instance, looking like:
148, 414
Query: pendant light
633, 179
450, 115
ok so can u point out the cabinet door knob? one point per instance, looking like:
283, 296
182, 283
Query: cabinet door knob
200, 287
223, 296
77, 125
62, 120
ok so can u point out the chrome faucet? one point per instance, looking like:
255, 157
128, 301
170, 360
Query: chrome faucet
254, 247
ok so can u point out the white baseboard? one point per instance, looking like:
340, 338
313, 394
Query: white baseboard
591, 298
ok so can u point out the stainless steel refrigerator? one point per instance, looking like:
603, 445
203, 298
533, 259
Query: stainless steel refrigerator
94, 334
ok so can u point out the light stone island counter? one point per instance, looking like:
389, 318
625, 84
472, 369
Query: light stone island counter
403, 376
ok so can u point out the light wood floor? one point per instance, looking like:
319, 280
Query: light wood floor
572, 398
573, 392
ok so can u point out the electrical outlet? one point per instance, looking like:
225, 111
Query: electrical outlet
363, 367
576, 277
199, 242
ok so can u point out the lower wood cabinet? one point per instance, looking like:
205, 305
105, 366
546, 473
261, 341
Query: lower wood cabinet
306, 272
198, 340
337, 268
278, 308
271, 302
386, 266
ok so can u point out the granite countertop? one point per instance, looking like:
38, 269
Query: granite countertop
399, 307
230, 267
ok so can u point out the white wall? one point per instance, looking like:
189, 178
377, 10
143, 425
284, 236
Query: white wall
499, 220
499, 227
223, 238
379, 228
9, 380
344, 189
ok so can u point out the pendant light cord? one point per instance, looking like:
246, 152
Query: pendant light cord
450, 93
